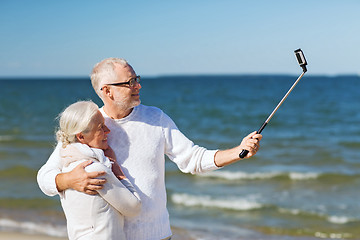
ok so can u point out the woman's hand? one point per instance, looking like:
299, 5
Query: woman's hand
116, 169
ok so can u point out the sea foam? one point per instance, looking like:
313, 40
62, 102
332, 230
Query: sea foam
331, 219
229, 175
32, 227
240, 204
339, 219
6, 138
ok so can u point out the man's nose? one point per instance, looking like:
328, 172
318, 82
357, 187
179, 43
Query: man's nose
137, 85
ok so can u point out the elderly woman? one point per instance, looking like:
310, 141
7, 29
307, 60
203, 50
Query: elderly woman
83, 135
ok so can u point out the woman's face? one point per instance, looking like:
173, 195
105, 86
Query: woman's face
97, 136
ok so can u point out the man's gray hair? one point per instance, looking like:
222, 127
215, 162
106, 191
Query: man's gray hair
104, 72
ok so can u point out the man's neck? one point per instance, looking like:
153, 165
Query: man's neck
116, 113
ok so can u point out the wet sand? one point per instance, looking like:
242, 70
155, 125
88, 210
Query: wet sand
178, 234
23, 236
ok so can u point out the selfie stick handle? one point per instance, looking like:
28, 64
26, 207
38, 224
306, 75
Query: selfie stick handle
301, 59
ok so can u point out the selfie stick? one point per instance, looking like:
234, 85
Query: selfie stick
302, 62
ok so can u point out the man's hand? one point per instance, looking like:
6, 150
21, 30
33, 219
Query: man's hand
80, 180
251, 143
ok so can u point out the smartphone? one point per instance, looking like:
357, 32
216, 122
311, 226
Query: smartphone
300, 57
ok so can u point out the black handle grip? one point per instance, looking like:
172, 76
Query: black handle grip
245, 152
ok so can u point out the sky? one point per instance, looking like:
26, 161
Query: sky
188, 37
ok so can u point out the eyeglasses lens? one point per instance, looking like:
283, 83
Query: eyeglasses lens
134, 81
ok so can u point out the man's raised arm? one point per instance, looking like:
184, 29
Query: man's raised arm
250, 143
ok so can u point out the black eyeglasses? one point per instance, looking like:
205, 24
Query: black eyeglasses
132, 82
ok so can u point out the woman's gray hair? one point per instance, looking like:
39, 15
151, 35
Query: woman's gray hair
104, 72
75, 119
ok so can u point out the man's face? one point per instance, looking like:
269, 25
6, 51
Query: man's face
125, 97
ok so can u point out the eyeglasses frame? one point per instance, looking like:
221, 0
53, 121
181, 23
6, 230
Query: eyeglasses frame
137, 80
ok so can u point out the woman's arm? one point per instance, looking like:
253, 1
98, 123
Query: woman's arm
119, 194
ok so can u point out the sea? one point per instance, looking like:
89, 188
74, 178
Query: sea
304, 183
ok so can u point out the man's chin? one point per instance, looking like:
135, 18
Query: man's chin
137, 103
129, 105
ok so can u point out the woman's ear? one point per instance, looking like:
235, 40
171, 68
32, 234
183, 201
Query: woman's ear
80, 138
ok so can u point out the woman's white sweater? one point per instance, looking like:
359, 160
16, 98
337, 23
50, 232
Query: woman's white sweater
97, 216
140, 141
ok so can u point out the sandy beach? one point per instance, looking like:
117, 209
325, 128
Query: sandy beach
179, 234
23, 236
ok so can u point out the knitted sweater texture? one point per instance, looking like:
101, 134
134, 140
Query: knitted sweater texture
140, 141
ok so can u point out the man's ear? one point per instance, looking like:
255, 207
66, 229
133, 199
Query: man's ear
80, 138
107, 91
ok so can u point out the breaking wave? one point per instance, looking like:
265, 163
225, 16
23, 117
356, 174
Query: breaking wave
240, 204
228, 175
33, 227
250, 203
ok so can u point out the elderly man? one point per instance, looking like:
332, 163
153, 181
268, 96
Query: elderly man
140, 136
